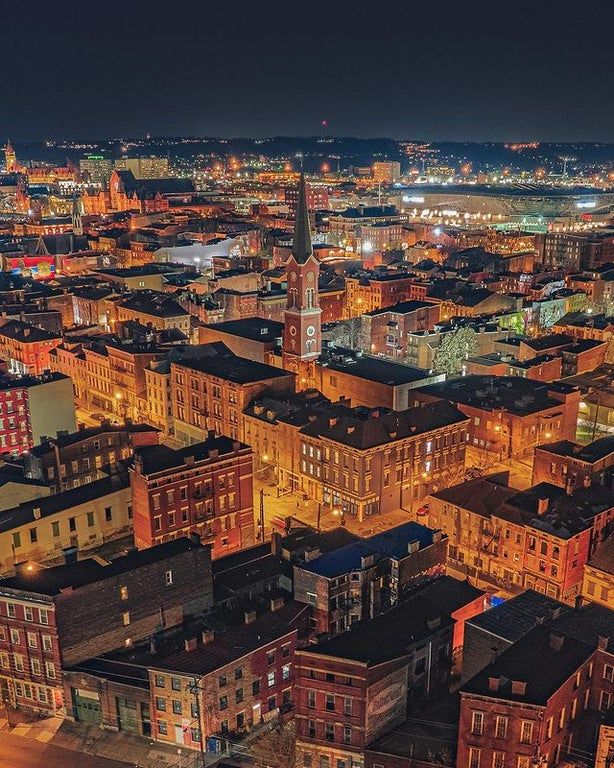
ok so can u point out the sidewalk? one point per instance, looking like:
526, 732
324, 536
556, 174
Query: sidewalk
135, 751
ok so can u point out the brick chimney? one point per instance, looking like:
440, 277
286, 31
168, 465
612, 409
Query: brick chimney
542, 506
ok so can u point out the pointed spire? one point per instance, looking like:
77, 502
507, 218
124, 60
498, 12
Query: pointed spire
301, 243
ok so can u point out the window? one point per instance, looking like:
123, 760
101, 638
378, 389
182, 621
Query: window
176, 707
108, 515
239, 695
222, 680
16, 540
605, 702
270, 658
50, 670
162, 727
238, 673
195, 734
18, 662
32, 640
72, 524
15, 640
270, 679
311, 729
498, 759
175, 683
526, 731
608, 672
28, 613
160, 681
123, 593
55, 530
160, 704
271, 703
44, 615
477, 723
524, 761
329, 731
168, 578
347, 706
35, 666
330, 702
90, 519
33, 536
223, 702
549, 727
47, 644
285, 672
501, 727
562, 719
256, 687
474, 757
311, 699
347, 734
10, 610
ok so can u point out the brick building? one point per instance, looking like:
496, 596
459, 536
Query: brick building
47, 622
538, 539
355, 687
572, 465
26, 348
509, 415
210, 393
359, 461
365, 578
376, 290
205, 488
25, 415
386, 331
532, 702
72, 459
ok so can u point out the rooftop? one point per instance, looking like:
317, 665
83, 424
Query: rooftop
513, 618
539, 659
371, 368
52, 581
392, 543
151, 459
226, 365
387, 637
253, 328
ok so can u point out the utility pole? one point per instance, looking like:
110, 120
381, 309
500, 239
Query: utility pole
194, 689
261, 523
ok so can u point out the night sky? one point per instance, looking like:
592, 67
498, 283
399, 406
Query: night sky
478, 70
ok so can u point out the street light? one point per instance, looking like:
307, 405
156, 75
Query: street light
340, 512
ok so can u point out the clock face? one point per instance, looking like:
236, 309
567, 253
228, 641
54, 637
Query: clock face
310, 330
293, 276
293, 330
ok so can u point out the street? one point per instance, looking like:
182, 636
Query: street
20, 752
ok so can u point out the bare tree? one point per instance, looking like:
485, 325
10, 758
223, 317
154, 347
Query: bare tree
275, 748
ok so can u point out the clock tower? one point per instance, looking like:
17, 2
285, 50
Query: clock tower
302, 338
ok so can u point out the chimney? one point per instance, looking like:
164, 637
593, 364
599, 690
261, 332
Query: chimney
332, 421
413, 546
542, 506
437, 536
493, 684
602, 642
249, 616
190, 643
311, 554
152, 646
208, 636
556, 641
37, 513
375, 414
276, 603
189, 461
519, 688
194, 538
540, 619
275, 542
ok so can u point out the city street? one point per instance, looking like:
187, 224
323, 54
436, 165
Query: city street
20, 752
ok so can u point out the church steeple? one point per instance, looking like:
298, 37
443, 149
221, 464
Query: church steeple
301, 243
10, 158
302, 336
77, 223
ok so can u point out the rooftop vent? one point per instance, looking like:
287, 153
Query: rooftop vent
190, 643
249, 617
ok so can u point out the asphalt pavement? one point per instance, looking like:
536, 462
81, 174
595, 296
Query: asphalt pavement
20, 752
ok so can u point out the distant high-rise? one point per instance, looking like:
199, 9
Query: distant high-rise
97, 169
144, 167
386, 172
